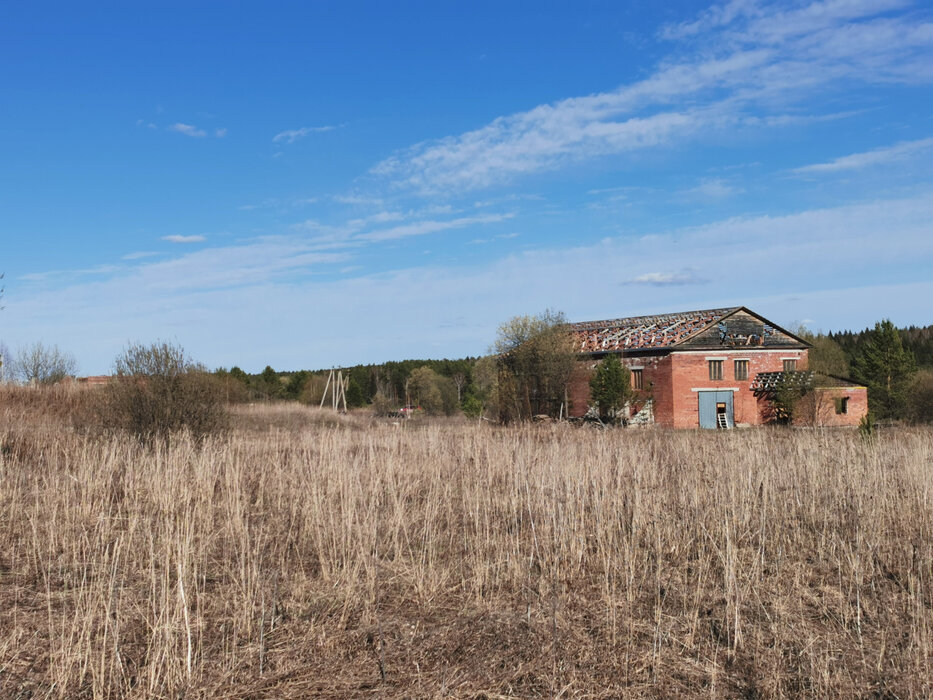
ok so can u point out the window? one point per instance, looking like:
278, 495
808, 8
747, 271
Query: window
842, 405
715, 369
741, 369
790, 365
638, 381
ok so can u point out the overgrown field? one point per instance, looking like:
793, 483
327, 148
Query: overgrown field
303, 555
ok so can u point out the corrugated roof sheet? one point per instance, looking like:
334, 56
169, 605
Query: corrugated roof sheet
643, 332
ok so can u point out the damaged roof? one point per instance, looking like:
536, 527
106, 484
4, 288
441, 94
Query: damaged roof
731, 327
644, 332
765, 382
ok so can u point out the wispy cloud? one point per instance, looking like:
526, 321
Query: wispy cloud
292, 135
712, 188
254, 262
500, 237
188, 130
359, 200
748, 61
279, 203
667, 279
138, 255
206, 293
69, 274
878, 156
421, 228
370, 229
185, 129
175, 238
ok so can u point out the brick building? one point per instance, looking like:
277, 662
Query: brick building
709, 369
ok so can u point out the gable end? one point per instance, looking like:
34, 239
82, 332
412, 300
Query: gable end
742, 328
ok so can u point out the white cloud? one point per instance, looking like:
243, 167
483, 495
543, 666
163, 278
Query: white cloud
421, 228
175, 238
879, 156
292, 135
664, 279
830, 265
188, 130
249, 263
360, 231
139, 255
359, 200
220, 133
751, 20
279, 203
752, 61
712, 188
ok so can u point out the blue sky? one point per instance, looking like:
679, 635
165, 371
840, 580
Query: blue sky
322, 184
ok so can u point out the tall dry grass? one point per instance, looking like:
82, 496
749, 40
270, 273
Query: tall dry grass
301, 556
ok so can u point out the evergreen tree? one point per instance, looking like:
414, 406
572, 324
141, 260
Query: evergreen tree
270, 383
610, 387
239, 374
921, 398
296, 384
355, 397
883, 365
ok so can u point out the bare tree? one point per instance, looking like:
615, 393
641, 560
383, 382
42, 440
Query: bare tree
459, 379
536, 359
5, 359
158, 390
41, 364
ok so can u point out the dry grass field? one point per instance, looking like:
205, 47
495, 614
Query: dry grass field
306, 555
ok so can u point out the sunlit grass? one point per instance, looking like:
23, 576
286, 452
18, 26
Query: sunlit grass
306, 554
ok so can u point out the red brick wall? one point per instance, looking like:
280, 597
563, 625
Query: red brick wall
669, 381
691, 371
656, 374
656, 379
818, 407
578, 390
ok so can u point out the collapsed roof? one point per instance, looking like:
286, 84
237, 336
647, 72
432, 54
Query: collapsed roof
732, 327
643, 332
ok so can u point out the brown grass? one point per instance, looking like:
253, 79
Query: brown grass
302, 555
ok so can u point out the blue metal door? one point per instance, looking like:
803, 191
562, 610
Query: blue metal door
707, 408
713, 403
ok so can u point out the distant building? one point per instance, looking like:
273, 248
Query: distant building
96, 380
712, 369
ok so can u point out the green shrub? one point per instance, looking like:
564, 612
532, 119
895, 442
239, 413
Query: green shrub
866, 427
472, 407
610, 387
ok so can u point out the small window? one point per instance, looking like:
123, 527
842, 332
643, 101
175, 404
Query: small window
715, 369
790, 365
741, 369
842, 405
638, 381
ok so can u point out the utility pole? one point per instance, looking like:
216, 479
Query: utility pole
337, 384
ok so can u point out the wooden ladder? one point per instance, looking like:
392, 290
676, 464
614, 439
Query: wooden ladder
721, 421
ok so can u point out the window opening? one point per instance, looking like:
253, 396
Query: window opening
741, 369
715, 369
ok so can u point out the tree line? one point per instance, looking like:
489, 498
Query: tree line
895, 364
438, 387
528, 369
